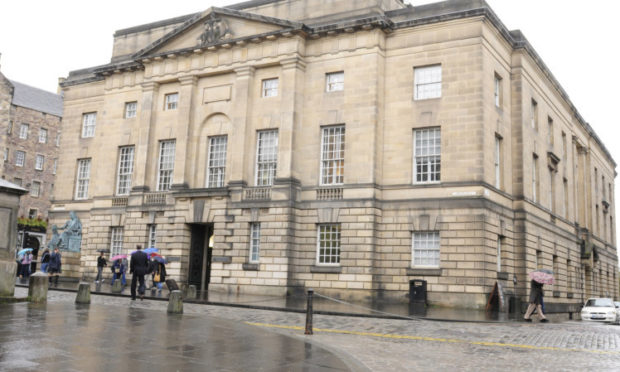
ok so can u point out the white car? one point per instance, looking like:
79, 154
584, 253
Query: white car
599, 309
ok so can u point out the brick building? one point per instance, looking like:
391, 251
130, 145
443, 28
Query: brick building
30, 121
348, 146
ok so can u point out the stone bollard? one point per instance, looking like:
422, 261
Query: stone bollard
175, 302
37, 287
117, 287
191, 291
83, 293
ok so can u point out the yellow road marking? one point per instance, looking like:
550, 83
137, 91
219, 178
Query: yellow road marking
435, 339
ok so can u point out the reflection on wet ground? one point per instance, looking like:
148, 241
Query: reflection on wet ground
68, 337
321, 304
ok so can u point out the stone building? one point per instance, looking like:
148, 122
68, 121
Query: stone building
347, 146
30, 121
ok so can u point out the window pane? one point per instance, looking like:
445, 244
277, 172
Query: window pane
266, 157
83, 179
125, 170
166, 165
254, 242
130, 109
335, 81
425, 248
88, 124
216, 168
328, 245
270, 87
332, 155
171, 101
427, 82
116, 241
427, 154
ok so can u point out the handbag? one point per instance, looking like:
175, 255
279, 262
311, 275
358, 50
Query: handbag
157, 278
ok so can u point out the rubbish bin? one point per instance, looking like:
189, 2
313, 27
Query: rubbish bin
417, 291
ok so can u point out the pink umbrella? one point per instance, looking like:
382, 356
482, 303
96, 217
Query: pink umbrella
118, 257
542, 276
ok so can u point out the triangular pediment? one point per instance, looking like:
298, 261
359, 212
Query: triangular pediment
216, 26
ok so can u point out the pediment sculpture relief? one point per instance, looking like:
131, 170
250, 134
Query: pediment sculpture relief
216, 29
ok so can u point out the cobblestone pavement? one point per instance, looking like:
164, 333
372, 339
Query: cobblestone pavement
403, 345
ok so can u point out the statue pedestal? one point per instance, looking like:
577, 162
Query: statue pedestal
8, 269
70, 265
75, 243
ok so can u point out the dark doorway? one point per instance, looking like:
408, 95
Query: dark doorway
200, 256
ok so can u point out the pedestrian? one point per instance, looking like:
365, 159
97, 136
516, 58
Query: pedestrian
26, 260
45, 260
101, 263
118, 270
55, 266
159, 275
536, 294
138, 267
124, 265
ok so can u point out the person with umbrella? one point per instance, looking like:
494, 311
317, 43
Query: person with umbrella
118, 269
539, 278
159, 271
26, 254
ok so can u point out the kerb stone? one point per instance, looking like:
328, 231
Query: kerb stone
175, 302
37, 287
83, 294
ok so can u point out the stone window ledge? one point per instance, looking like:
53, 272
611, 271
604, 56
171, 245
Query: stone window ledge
250, 267
423, 272
326, 269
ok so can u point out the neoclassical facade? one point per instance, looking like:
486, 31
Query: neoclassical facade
277, 145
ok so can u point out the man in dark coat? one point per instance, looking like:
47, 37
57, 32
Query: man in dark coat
138, 267
55, 266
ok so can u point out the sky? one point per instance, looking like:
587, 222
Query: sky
42, 40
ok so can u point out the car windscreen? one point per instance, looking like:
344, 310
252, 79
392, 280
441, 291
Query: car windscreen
600, 302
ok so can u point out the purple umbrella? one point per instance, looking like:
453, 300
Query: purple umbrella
160, 259
542, 276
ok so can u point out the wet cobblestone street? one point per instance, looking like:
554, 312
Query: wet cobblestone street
406, 345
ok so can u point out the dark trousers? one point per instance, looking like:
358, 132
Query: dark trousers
134, 281
99, 273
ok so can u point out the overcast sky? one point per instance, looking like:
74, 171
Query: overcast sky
41, 40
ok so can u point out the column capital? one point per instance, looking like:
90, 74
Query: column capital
188, 80
245, 71
150, 86
293, 63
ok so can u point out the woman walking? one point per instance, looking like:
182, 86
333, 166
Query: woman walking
54, 266
536, 295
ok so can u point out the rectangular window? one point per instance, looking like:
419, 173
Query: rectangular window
171, 101
266, 157
6, 154
535, 178
539, 261
552, 190
58, 139
498, 162
152, 236
55, 166
564, 148
534, 114
254, 242
89, 121
497, 91
20, 158
334, 81
427, 82
38, 163
216, 163
131, 109
165, 165
332, 155
328, 244
42, 135
499, 254
116, 241
569, 271
17, 181
550, 136
425, 249
23, 131
270, 87
83, 179
32, 213
35, 189
565, 188
10, 128
125, 170
427, 155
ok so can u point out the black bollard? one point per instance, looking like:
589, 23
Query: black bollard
309, 313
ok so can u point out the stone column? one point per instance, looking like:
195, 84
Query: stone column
9, 207
83, 293
175, 302
292, 86
182, 167
240, 138
37, 287
143, 152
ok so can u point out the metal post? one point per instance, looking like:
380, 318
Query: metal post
309, 313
